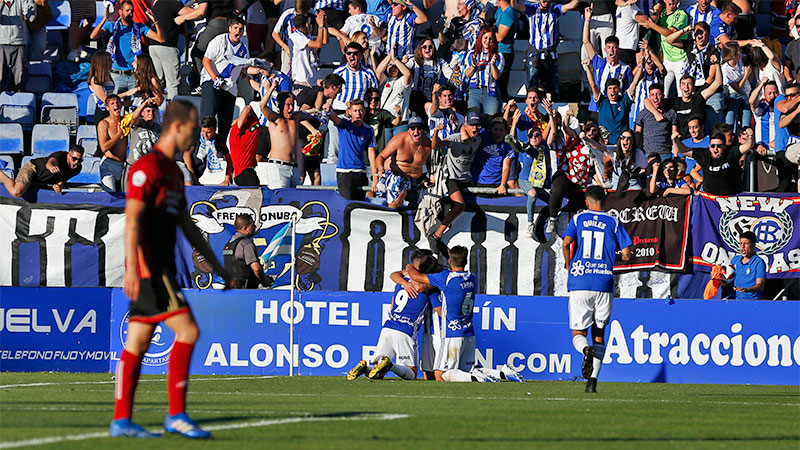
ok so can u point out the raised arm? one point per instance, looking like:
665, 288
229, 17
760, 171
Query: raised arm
587, 41
98, 30
674, 38
587, 67
271, 115
679, 146
188, 13
421, 16
380, 71
157, 34
755, 94
322, 32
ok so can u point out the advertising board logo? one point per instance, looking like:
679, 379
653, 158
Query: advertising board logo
160, 344
773, 231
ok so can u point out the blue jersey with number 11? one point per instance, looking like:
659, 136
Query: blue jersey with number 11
458, 296
596, 235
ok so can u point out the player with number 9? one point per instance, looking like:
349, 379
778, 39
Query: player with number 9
590, 281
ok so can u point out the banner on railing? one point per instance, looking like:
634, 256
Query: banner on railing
718, 221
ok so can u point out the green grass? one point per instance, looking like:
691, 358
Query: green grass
325, 412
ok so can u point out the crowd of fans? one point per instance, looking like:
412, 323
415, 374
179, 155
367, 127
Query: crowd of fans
682, 95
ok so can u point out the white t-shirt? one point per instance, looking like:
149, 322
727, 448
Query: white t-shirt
731, 74
771, 73
627, 28
305, 60
359, 22
395, 92
228, 59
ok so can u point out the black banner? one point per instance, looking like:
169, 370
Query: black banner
659, 228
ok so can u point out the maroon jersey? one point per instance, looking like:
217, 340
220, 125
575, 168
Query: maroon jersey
158, 182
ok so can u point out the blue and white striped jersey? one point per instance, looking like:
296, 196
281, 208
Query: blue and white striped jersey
356, 83
400, 34
333, 4
765, 123
604, 71
285, 84
458, 297
696, 16
543, 28
642, 92
482, 78
407, 314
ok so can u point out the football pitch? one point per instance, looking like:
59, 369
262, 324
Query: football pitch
60, 410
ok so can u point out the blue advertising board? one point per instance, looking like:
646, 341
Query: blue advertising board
44, 329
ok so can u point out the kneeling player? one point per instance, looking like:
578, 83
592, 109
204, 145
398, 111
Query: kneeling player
591, 277
456, 357
398, 336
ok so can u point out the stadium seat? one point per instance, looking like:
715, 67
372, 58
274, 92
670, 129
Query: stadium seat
18, 108
47, 139
100, 11
570, 26
40, 77
87, 138
331, 53
518, 83
61, 109
90, 171
91, 107
9, 165
62, 15
11, 139
195, 100
328, 174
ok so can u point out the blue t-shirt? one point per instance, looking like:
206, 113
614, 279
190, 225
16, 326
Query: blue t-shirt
123, 56
353, 142
509, 19
458, 296
408, 313
718, 28
781, 134
614, 116
487, 167
746, 275
597, 235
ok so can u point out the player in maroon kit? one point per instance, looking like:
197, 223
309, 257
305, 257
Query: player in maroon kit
155, 207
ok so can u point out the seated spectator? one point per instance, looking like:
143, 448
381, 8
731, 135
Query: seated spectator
492, 164
205, 155
629, 164
613, 107
462, 148
722, 170
484, 66
665, 182
356, 139
656, 124
14, 18
398, 168
112, 140
125, 42
736, 84
749, 270
53, 170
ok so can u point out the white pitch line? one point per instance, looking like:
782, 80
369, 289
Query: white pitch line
229, 426
145, 380
110, 408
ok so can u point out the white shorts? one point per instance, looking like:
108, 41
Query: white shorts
282, 176
456, 353
398, 346
430, 344
588, 307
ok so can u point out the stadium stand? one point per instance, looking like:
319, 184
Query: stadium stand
90, 171
60, 109
18, 108
40, 77
7, 165
47, 139
62, 15
87, 138
11, 139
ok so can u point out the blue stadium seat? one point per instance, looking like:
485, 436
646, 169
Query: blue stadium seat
193, 100
40, 77
90, 171
47, 139
99, 11
87, 138
61, 109
11, 140
328, 174
9, 165
91, 107
18, 108
62, 15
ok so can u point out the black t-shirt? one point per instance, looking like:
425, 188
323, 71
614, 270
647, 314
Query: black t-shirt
219, 8
695, 105
44, 176
165, 12
379, 121
720, 176
602, 7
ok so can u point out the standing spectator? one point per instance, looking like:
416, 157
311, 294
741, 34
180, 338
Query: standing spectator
721, 26
736, 83
440, 110
702, 63
690, 102
602, 25
13, 43
334, 10
791, 57
763, 109
505, 22
749, 270
649, 71
205, 155
305, 52
533, 174
216, 14
543, 41
702, 11
54, 170
285, 26
608, 67
359, 20
670, 20
219, 78
613, 107
786, 109
766, 64
145, 131
165, 55
147, 83
428, 70
656, 124
492, 165
357, 79
459, 29
401, 23
722, 171
384, 123
484, 67
530, 117
395, 78
628, 18
355, 139
100, 83
112, 140
244, 145
83, 14
125, 42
